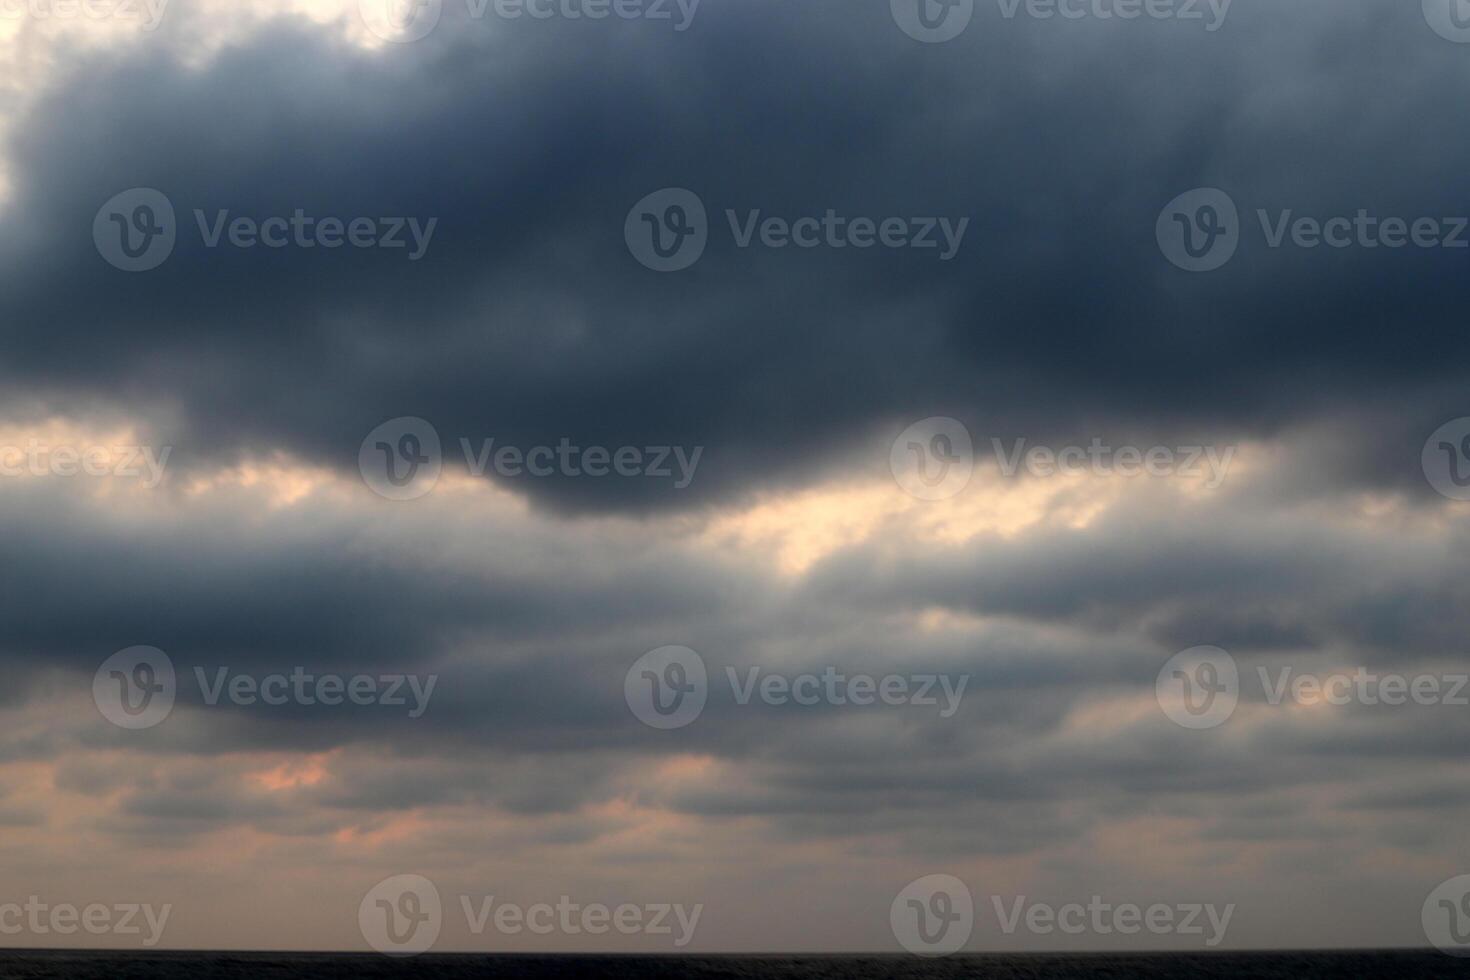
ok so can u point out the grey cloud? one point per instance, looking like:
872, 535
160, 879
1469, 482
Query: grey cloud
529, 321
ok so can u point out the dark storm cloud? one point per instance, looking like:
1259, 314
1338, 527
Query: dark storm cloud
532, 638
223, 589
527, 320
1229, 573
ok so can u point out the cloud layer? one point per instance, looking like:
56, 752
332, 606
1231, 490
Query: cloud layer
792, 550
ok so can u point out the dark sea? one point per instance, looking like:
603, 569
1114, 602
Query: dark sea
189, 966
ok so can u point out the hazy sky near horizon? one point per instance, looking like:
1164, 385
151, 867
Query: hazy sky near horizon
1317, 376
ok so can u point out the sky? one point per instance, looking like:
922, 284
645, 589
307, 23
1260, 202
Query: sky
744, 455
